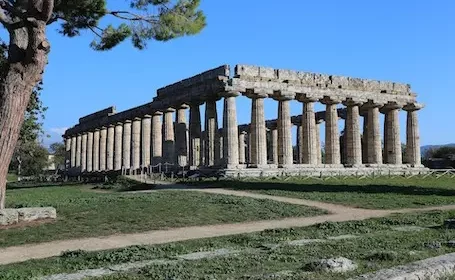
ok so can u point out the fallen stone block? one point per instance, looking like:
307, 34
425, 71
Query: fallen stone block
8, 217
37, 213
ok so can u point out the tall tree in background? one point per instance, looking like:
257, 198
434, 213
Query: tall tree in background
28, 47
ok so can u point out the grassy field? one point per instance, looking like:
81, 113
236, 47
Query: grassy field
83, 212
372, 193
379, 245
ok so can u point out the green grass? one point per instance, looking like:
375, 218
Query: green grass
372, 193
11, 177
378, 247
82, 212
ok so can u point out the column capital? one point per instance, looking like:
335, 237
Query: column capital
257, 93
96, 129
157, 113
146, 116
103, 128
118, 124
354, 102
169, 110
281, 95
413, 107
330, 100
136, 119
230, 93
183, 106
372, 104
390, 106
306, 98
127, 121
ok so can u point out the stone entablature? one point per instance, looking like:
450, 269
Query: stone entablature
106, 140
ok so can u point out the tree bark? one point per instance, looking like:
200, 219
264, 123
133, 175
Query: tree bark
28, 50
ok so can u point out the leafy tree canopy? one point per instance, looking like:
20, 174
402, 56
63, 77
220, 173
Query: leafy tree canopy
141, 21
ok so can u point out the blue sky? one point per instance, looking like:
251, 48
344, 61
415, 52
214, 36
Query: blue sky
411, 41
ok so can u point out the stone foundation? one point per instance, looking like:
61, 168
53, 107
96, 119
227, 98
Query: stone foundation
24, 215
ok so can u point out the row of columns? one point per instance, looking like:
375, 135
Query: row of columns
156, 138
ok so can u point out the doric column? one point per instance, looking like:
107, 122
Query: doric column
181, 128
84, 152
195, 135
299, 142
318, 141
118, 149
332, 135
392, 142
157, 138
374, 134
73, 151
308, 149
413, 156
103, 145
352, 133
96, 150
168, 136
78, 150
204, 148
220, 146
285, 154
146, 139
242, 147
136, 144
90, 151
67, 152
274, 134
258, 132
110, 147
211, 128
365, 138
230, 130
126, 145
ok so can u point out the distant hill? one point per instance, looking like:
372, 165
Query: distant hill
424, 149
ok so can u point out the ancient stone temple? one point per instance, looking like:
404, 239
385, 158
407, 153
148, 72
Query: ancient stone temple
159, 132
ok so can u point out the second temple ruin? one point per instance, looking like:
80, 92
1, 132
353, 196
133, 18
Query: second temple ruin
149, 135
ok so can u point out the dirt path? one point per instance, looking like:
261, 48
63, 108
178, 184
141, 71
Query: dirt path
338, 214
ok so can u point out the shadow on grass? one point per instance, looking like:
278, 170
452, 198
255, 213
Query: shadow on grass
324, 187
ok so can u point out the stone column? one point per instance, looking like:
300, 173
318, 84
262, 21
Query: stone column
230, 131
332, 136
392, 142
96, 150
211, 128
309, 151
242, 147
84, 152
90, 151
73, 151
258, 132
110, 147
118, 149
365, 138
136, 144
318, 141
219, 146
181, 128
67, 153
146, 140
195, 135
168, 136
274, 134
103, 145
126, 145
413, 156
374, 134
299, 142
157, 138
285, 154
352, 134
78, 150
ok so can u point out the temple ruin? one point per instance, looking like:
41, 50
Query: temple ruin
149, 135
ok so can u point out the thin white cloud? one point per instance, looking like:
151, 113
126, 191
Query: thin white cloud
58, 130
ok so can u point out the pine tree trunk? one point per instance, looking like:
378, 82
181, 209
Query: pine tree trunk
27, 58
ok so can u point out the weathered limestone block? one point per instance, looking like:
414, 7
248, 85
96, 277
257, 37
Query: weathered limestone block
288, 75
321, 80
339, 82
246, 70
267, 73
8, 217
38, 213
